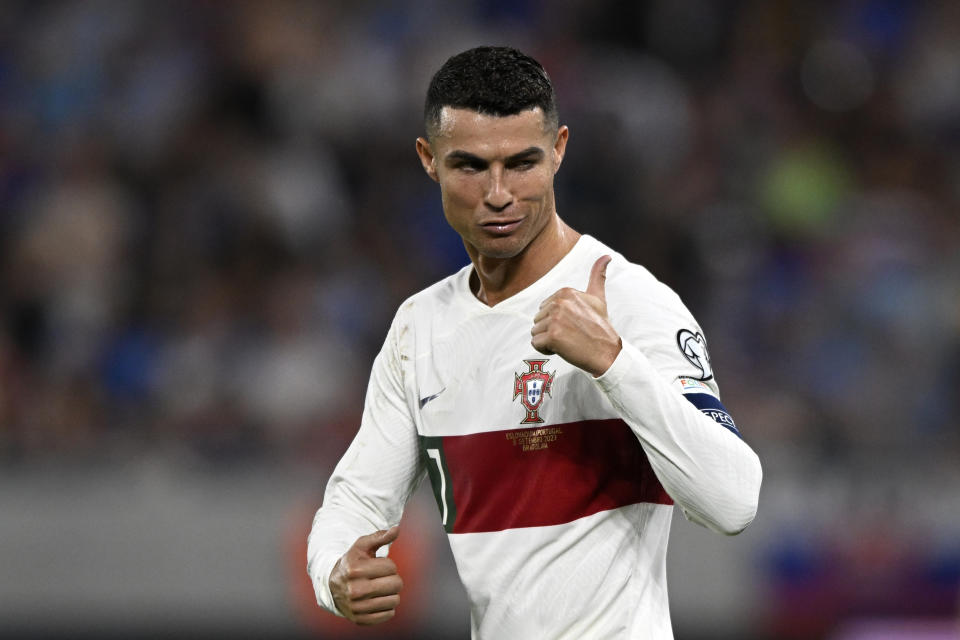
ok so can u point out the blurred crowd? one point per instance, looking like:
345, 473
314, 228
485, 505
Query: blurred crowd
209, 213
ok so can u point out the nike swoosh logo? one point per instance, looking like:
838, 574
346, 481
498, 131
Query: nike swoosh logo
424, 401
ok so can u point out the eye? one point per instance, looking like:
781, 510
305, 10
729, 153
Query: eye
470, 167
523, 165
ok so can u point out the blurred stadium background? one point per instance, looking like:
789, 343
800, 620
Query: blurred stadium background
209, 212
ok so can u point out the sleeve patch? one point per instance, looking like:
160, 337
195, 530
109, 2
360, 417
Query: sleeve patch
692, 385
711, 406
693, 346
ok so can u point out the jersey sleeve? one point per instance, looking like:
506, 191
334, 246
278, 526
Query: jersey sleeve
379, 471
662, 385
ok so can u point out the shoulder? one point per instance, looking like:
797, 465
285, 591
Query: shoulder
632, 290
652, 316
440, 294
431, 302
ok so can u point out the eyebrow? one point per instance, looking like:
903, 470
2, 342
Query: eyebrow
529, 152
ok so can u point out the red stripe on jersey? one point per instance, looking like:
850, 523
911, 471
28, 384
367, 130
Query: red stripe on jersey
547, 475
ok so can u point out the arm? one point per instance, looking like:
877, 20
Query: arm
707, 469
367, 490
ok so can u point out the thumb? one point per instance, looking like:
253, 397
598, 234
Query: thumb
598, 278
369, 544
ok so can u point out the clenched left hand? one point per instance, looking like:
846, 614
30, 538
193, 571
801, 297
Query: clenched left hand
573, 324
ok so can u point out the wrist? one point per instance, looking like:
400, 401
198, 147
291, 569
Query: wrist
334, 582
610, 357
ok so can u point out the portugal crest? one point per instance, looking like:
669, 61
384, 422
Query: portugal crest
531, 386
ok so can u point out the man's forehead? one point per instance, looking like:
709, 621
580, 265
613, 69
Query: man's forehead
464, 124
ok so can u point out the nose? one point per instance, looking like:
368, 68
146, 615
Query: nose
498, 196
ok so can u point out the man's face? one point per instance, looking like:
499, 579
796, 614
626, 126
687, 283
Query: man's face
496, 177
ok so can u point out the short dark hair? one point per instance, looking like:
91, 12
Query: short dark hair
495, 81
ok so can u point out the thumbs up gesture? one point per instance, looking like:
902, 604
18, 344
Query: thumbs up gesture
573, 324
365, 588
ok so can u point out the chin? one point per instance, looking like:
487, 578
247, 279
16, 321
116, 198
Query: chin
501, 248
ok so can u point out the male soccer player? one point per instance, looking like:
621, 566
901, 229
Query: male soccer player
560, 398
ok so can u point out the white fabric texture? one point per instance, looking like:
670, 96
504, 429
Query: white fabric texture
602, 575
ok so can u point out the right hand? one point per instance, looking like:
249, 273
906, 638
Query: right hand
574, 325
365, 588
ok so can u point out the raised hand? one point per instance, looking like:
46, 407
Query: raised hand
365, 588
573, 324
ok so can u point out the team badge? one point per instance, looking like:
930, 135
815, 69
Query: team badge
530, 387
693, 346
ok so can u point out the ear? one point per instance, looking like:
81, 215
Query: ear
427, 159
560, 146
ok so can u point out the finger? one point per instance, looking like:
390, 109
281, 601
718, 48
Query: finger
386, 586
542, 313
370, 543
365, 589
539, 327
598, 278
374, 618
373, 605
541, 343
371, 568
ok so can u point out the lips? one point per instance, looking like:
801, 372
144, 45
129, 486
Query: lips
501, 227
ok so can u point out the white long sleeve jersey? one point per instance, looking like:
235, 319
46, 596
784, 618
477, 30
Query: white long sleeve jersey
555, 488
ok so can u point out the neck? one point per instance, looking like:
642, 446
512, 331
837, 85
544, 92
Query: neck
496, 279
